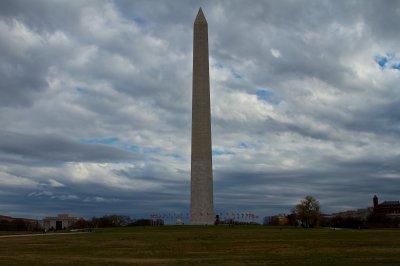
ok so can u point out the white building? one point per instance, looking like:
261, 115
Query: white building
60, 222
360, 213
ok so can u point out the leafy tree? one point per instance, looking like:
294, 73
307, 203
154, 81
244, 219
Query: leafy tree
308, 212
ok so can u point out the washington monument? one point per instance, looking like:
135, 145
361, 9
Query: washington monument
201, 197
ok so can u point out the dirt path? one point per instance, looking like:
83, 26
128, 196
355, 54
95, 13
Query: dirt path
47, 234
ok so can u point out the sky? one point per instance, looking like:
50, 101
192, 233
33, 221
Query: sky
95, 105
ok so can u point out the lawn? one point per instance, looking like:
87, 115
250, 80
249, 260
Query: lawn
212, 245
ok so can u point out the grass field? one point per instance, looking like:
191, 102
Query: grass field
213, 245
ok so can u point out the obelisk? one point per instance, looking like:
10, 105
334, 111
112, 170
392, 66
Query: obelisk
201, 197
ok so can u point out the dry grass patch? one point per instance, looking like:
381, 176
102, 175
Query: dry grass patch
196, 245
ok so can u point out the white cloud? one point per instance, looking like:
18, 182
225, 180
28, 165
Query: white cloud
18, 39
10, 180
328, 119
55, 183
276, 53
106, 175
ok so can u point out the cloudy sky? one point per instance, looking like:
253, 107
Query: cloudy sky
95, 105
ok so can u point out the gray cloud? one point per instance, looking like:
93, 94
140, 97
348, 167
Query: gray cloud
49, 149
95, 104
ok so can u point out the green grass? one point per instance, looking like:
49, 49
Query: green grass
215, 245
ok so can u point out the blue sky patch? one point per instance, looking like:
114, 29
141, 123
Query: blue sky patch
235, 74
396, 66
147, 150
243, 145
267, 96
176, 156
152, 150
219, 152
131, 148
139, 21
381, 60
218, 65
387, 60
107, 141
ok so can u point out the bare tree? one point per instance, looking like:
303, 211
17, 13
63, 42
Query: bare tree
308, 212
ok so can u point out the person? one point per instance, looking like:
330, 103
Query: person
217, 221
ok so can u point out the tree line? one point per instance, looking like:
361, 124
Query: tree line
11, 224
308, 214
114, 220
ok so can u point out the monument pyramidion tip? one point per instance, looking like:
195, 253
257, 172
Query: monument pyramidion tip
200, 18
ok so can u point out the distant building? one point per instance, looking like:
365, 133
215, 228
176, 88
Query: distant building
359, 213
6, 218
60, 222
18, 224
391, 208
280, 219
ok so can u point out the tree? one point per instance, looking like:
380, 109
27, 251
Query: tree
280, 219
308, 212
81, 224
292, 219
347, 222
382, 220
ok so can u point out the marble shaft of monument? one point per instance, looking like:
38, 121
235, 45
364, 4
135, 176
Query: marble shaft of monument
202, 210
